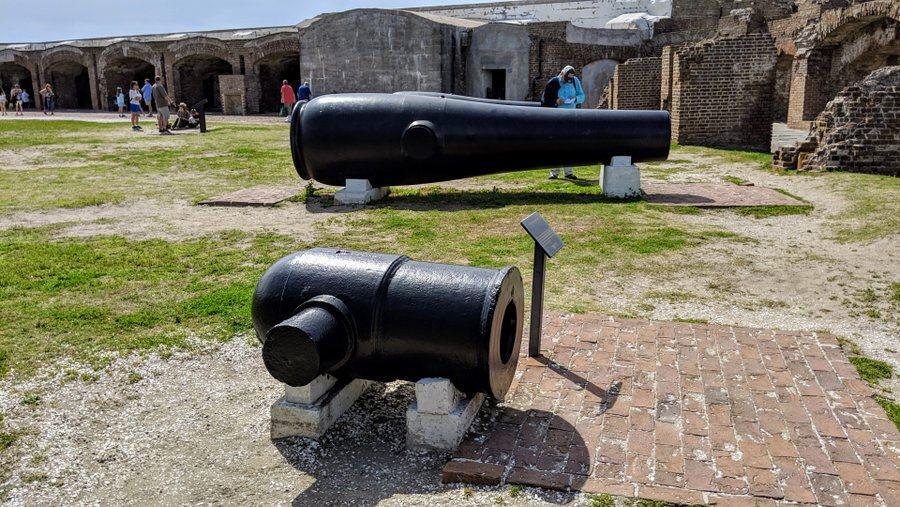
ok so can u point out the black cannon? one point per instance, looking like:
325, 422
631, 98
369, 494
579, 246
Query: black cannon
386, 317
405, 139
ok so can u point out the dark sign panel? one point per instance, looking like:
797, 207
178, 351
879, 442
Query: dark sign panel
543, 234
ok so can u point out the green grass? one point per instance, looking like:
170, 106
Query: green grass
872, 370
87, 164
735, 180
873, 210
77, 298
891, 408
760, 160
773, 211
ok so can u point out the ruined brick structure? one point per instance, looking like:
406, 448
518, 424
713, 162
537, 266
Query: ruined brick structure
725, 68
641, 77
859, 130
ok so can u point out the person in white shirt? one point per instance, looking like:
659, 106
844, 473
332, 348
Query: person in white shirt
134, 96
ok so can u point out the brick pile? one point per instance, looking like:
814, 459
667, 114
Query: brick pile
722, 92
859, 131
691, 414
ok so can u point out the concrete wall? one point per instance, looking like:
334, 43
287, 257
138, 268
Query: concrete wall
371, 50
586, 13
595, 77
498, 46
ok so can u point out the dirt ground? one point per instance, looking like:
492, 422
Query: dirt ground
193, 427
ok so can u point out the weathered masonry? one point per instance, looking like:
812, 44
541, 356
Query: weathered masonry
726, 69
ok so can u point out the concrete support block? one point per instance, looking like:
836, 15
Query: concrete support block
620, 179
310, 410
360, 192
440, 416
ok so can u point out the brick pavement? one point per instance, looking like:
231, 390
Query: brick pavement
688, 413
714, 195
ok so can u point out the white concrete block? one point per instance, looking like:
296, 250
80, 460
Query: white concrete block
311, 392
437, 396
620, 179
291, 419
440, 431
360, 192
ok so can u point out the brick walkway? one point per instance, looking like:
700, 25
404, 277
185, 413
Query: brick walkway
714, 195
688, 413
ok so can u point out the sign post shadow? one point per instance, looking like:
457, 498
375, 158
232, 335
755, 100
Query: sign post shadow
546, 245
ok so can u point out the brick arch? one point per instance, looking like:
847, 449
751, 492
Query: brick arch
836, 25
61, 54
73, 80
128, 49
18, 67
199, 46
265, 47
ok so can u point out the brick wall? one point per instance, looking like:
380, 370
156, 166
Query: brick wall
550, 52
859, 131
665, 78
722, 92
637, 84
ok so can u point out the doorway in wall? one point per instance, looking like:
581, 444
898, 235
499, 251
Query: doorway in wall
496, 84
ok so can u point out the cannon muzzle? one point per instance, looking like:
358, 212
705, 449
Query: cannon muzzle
406, 139
386, 317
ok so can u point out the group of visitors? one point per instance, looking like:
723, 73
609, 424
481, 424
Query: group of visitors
289, 99
148, 94
17, 99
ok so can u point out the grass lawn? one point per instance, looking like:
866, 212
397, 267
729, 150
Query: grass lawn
78, 298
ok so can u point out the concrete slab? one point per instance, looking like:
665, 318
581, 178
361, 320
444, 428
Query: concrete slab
312, 419
440, 416
714, 195
256, 196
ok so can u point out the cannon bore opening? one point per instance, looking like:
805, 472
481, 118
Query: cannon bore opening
508, 332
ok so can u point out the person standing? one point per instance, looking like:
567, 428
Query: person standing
288, 99
304, 93
49, 99
120, 101
24, 100
2, 102
147, 93
134, 103
14, 95
563, 92
163, 102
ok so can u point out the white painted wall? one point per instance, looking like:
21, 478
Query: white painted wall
584, 13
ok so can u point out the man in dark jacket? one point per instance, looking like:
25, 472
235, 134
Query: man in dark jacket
551, 92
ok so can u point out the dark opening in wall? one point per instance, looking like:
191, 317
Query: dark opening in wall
272, 71
198, 79
71, 84
496, 81
11, 73
121, 72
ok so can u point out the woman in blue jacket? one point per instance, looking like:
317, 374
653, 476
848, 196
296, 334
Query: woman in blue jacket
568, 95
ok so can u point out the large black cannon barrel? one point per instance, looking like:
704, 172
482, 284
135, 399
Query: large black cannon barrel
451, 96
405, 139
386, 317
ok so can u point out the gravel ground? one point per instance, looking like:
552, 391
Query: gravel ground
193, 428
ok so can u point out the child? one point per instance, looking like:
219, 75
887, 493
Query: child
182, 117
135, 103
24, 99
120, 101
2, 102
14, 99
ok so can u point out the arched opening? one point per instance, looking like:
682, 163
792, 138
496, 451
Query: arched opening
120, 72
13, 73
595, 78
844, 56
272, 71
198, 79
71, 84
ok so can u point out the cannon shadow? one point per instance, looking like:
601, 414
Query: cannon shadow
455, 200
363, 460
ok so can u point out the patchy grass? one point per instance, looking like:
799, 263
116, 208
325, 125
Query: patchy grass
87, 163
761, 160
773, 211
735, 180
891, 408
874, 207
872, 370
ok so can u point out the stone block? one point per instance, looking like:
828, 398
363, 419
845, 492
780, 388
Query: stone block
441, 431
359, 192
620, 179
311, 392
437, 396
292, 418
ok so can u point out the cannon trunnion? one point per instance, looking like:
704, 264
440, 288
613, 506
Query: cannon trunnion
386, 317
406, 139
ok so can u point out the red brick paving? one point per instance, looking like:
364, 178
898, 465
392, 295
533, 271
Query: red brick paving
688, 413
714, 195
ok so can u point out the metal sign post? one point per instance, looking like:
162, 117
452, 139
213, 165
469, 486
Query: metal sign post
546, 245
